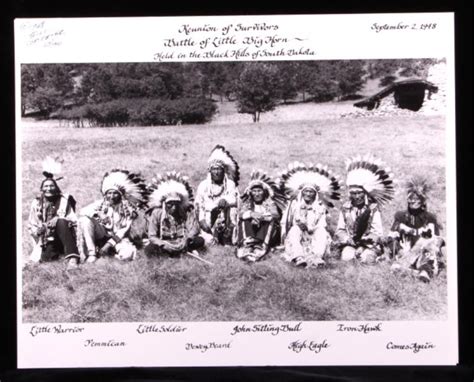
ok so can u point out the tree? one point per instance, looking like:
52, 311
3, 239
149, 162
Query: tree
322, 89
97, 84
59, 78
399, 68
417, 68
258, 89
194, 82
171, 73
46, 100
321, 83
303, 71
41, 81
387, 80
350, 76
29, 84
382, 68
288, 84
154, 87
219, 77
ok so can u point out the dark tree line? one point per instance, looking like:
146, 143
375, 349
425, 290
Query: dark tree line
73, 90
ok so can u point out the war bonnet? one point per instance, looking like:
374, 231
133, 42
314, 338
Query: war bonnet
369, 173
221, 157
299, 176
259, 178
130, 185
170, 187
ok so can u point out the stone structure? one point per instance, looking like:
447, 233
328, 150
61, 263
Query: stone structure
407, 97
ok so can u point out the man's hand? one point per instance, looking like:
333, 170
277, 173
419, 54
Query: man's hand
393, 235
105, 220
407, 230
350, 241
52, 222
256, 218
302, 226
406, 246
41, 230
175, 246
222, 203
105, 250
157, 242
204, 226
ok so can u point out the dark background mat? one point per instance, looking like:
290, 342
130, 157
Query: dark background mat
90, 8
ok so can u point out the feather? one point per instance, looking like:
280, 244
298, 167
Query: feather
131, 185
220, 155
420, 186
259, 177
368, 172
51, 167
298, 175
170, 183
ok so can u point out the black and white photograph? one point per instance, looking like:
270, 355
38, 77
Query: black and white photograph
232, 191
257, 191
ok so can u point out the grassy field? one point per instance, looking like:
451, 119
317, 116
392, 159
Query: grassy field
186, 289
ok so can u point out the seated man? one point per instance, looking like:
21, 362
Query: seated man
173, 228
217, 198
310, 190
259, 217
359, 230
414, 238
106, 223
52, 220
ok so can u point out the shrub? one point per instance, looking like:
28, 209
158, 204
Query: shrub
194, 110
387, 80
323, 90
113, 113
143, 112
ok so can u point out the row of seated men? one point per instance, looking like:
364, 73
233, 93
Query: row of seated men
289, 213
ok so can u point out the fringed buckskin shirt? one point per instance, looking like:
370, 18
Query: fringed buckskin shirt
267, 208
208, 195
42, 211
313, 215
166, 227
116, 219
357, 223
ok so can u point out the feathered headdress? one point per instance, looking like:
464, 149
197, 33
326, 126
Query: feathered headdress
130, 185
298, 176
171, 185
51, 168
368, 172
260, 178
420, 186
220, 156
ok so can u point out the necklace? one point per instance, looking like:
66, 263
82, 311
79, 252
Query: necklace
216, 190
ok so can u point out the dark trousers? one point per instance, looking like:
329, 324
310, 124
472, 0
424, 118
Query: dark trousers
193, 243
62, 241
265, 233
